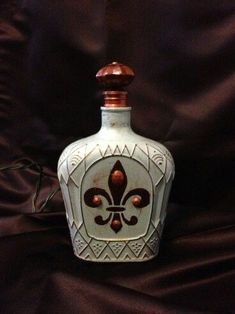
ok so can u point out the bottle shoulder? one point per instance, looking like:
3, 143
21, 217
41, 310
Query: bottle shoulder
128, 144
70, 150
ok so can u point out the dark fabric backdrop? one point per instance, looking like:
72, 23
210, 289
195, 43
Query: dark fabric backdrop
183, 53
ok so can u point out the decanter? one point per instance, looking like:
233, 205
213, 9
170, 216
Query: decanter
115, 184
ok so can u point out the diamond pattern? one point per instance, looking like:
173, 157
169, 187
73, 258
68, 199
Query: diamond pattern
117, 247
153, 242
82, 231
136, 246
79, 243
97, 247
141, 249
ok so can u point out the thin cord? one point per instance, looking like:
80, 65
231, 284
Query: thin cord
49, 197
18, 165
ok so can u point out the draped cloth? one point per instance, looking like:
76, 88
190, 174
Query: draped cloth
183, 96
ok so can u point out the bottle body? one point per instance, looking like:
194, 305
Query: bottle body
115, 186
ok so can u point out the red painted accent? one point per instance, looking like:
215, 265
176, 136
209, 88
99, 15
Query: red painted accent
117, 177
97, 201
116, 223
117, 182
136, 201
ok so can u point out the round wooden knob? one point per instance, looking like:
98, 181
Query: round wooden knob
115, 76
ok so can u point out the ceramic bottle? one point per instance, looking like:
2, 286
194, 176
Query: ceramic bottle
115, 183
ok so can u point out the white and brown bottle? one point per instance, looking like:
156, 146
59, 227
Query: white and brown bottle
115, 184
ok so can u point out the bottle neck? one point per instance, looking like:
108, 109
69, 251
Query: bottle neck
115, 99
116, 117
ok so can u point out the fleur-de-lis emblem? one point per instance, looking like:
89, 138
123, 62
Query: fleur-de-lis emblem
117, 183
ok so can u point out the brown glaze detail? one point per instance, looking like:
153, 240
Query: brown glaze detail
136, 201
115, 99
115, 209
117, 177
141, 193
115, 76
97, 201
116, 223
100, 221
117, 182
89, 196
133, 221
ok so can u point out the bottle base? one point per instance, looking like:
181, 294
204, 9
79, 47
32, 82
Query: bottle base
129, 250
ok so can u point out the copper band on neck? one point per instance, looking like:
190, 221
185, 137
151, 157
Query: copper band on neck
115, 99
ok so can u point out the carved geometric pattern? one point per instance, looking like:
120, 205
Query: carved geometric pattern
96, 250
120, 150
68, 150
84, 234
97, 247
76, 158
111, 251
153, 242
79, 243
108, 151
150, 232
87, 254
92, 154
75, 153
117, 247
136, 246
141, 154
107, 258
127, 257
88, 257
146, 254
120, 250
157, 157
143, 148
168, 156
116, 250
72, 230
107, 255
117, 151
126, 152
127, 254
